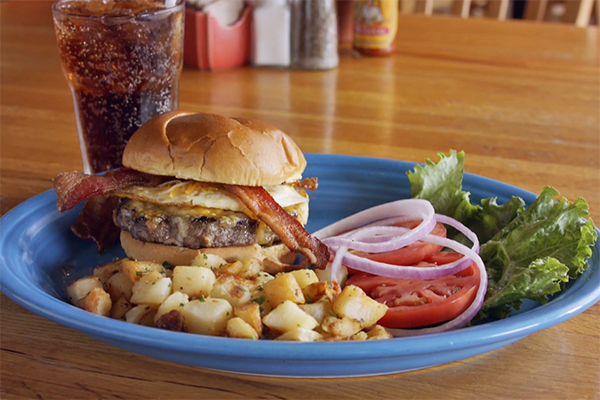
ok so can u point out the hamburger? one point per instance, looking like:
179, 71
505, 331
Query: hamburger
195, 183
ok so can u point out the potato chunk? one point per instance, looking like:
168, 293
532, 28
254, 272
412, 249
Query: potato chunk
305, 277
97, 302
301, 335
378, 332
318, 310
318, 290
118, 285
196, 282
354, 303
136, 269
120, 308
250, 312
142, 314
104, 272
283, 288
341, 328
207, 316
288, 316
234, 289
79, 289
238, 328
248, 268
151, 289
211, 261
175, 301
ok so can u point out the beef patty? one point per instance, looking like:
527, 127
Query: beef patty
191, 227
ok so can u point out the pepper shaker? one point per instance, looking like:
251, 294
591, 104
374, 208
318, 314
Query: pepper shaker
314, 42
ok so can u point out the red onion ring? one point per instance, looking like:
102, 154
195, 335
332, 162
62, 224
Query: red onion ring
412, 272
415, 208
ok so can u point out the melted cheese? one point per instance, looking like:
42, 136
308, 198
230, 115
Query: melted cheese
202, 194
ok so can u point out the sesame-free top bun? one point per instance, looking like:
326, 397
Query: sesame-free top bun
213, 148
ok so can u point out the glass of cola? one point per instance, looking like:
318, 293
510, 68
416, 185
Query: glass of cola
122, 60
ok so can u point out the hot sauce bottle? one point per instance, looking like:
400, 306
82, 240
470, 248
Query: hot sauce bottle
375, 26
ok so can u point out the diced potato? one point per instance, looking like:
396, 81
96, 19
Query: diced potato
250, 312
341, 327
378, 332
354, 303
151, 289
120, 308
283, 288
263, 277
234, 289
318, 310
316, 291
175, 301
325, 274
104, 272
211, 261
118, 285
79, 289
142, 314
248, 268
288, 316
196, 282
134, 270
305, 277
97, 302
238, 328
362, 335
301, 335
207, 316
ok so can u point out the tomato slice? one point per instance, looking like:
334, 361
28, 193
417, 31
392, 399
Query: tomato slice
419, 303
411, 254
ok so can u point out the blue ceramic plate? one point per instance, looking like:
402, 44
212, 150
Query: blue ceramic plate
39, 254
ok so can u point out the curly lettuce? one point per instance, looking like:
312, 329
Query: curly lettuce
529, 252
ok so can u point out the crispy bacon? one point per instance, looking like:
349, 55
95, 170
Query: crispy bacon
73, 188
95, 221
306, 184
289, 230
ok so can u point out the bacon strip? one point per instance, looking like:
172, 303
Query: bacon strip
306, 184
289, 230
73, 188
95, 222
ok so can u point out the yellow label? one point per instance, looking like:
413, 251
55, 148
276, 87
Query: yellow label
375, 23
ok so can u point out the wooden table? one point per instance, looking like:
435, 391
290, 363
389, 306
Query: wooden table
521, 99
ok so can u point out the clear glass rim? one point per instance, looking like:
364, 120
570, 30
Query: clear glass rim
178, 4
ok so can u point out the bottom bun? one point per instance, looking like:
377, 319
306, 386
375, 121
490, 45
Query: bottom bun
159, 253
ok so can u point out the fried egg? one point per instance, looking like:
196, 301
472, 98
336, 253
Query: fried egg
203, 194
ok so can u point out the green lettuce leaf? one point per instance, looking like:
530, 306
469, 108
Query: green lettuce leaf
535, 254
529, 253
441, 184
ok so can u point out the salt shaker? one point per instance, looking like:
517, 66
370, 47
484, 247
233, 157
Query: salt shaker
314, 34
271, 33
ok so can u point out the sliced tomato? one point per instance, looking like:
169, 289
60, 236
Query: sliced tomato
418, 303
411, 254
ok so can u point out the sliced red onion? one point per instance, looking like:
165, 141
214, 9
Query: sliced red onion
458, 322
412, 272
336, 264
415, 208
444, 219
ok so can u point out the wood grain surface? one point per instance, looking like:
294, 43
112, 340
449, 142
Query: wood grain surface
521, 99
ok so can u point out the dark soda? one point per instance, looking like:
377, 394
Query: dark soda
123, 60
